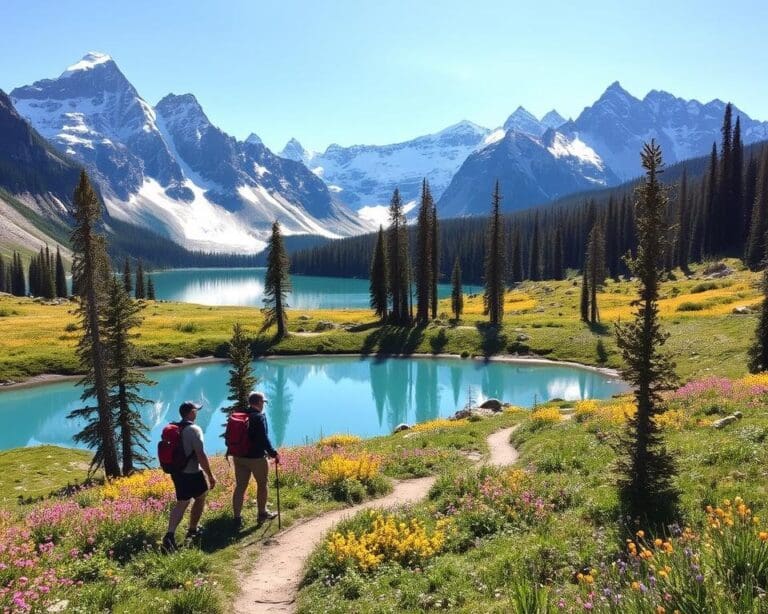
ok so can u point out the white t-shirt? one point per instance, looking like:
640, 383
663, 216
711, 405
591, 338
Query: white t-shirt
192, 440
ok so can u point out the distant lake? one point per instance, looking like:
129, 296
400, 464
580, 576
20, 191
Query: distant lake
312, 396
245, 287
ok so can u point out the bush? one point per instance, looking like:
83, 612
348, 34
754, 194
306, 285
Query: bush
338, 440
704, 287
195, 600
71, 327
187, 327
690, 306
545, 415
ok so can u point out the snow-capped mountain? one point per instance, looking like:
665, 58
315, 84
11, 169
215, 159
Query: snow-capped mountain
618, 124
170, 169
523, 121
365, 175
531, 169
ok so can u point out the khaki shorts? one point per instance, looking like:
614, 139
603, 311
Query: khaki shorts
247, 467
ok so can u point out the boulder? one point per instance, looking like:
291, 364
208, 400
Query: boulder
492, 404
462, 413
323, 326
304, 317
742, 310
402, 427
522, 337
723, 422
176, 361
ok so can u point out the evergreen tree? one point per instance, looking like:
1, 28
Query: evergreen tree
595, 266
140, 289
709, 209
493, 297
535, 258
277, 283
683, 246
646, 489
750, 192
61, 276
558, 271
92, 271
756, 246
121, 317
736, 209
379, 276
424, 255
457, 295
399, 267
127, 281
517, 259
435, 260
584, 300
241, 378
18, 281
150, 289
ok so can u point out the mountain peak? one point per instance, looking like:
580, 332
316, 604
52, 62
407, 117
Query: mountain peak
254, 139
294, 150
553, 119
89, 61
463, 126
615, 90
524, 121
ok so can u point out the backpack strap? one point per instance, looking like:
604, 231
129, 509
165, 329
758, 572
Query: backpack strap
182, 424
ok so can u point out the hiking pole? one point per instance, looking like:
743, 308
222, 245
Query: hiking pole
277, 487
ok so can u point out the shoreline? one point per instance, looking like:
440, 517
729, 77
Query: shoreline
54, 378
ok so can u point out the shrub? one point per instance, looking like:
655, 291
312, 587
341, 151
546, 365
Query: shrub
337, 467
71, 327
338, 440
187, 327
704, 286
439, 423
195, 600
690, 306
545, 415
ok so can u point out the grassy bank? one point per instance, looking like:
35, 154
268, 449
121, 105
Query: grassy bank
542, 537
542, 318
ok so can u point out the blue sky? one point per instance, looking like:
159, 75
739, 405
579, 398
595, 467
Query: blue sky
349, 71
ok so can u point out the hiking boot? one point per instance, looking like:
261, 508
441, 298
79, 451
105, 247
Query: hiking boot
238, 522
194, 533
169, 545
267, 515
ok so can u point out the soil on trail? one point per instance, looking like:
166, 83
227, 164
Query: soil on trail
272, 582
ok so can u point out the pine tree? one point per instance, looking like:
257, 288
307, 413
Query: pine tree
61, 276
756, 246
584, 300
493, 298
140, 289
379, 276
150, 288
434, 238
48, 270
18, 281
683, 246
92, 271
277, 283
709, 209
241, 378
595, 266
457, 296
399, 268
558, 271
517, 259
121, 317
127, 281
736, 209
646, 471
535, 258
424, 255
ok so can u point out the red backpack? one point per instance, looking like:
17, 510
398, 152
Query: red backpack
170, 449
236, 435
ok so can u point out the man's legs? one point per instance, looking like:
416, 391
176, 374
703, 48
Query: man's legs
242, 477
260, 473
196, 513
177, 513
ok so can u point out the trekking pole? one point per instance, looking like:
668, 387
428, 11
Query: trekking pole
277, 487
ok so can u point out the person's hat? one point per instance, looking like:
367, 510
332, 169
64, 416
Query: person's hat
188, 406
256, 396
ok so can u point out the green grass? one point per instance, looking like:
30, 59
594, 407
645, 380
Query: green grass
29, 474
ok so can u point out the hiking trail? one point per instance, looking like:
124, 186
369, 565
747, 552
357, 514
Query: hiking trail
272, 583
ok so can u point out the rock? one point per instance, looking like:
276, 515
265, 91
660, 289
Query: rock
723, 422
304, 317
738, 415
323, 326
492, 404
523, 337
402, 427
59, 606
742, 310
461, 414
176, 361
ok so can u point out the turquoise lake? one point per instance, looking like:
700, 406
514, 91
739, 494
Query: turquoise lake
311, 396
245, 286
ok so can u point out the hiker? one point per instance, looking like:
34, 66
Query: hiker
189, 482
252, 460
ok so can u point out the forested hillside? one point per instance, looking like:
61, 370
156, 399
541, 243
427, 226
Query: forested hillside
718, 206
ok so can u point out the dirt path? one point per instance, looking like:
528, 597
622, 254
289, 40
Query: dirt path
274, 578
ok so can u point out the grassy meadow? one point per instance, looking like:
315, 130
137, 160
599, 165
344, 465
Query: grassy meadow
542, 318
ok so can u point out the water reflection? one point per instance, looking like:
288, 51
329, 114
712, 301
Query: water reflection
310, 396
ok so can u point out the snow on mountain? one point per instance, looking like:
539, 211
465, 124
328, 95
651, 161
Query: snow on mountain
171, 170
618, 124
553, 120
368, 174
523, 121
531, 169
254, 138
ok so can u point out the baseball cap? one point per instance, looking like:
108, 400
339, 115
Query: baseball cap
257, 395
188, 406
